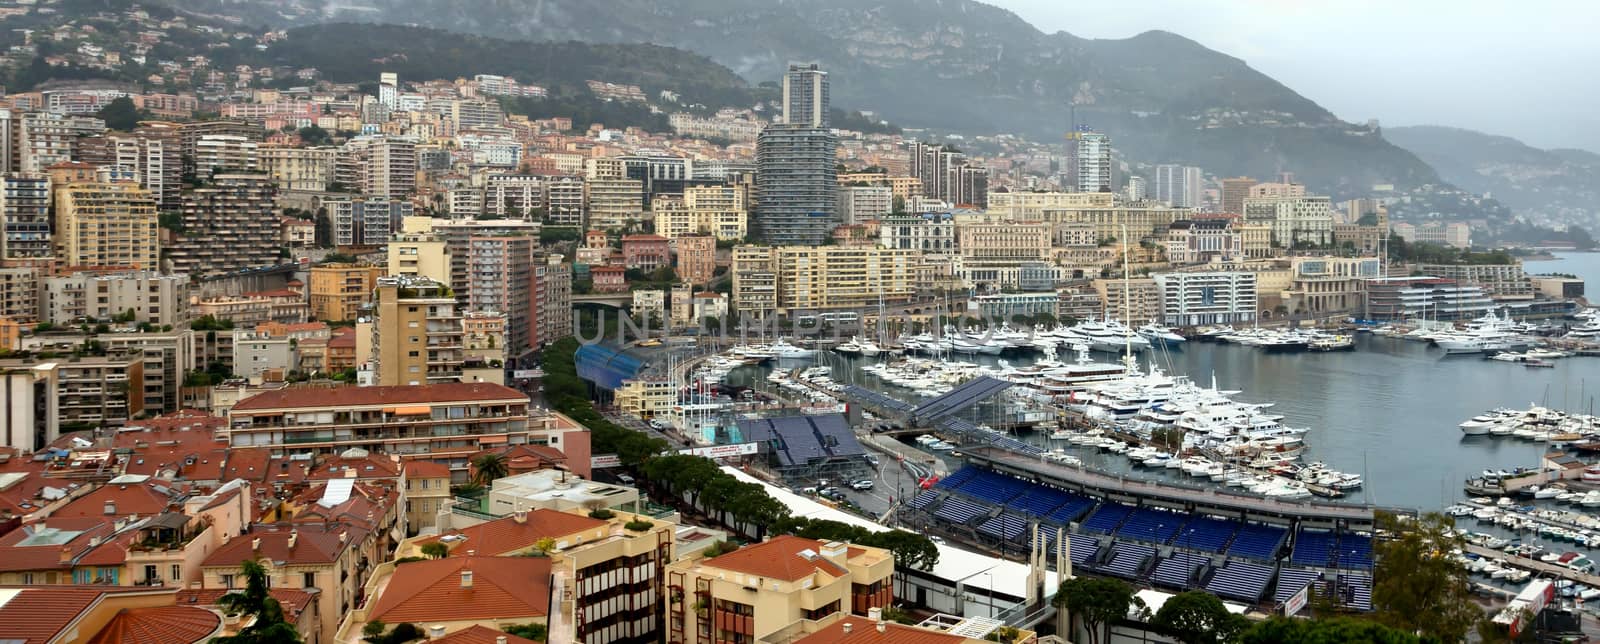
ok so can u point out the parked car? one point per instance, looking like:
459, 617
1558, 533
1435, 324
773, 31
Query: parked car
863, 484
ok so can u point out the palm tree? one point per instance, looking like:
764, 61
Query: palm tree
488, 467
269, 626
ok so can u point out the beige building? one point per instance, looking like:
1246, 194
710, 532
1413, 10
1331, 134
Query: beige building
338, 291
1256, 238
720, 211
1031, 206
107, 224
1294, 220
1136, 303
1500, 281
1276, 191
153, 298
88, 392
1140, 219
307, 169
228, 225
807, 278
615, 203
903, 187
992, 251
215, 153
420, 255
1329, 284
760, 589
417, 335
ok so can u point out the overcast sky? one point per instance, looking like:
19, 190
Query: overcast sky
1525, 68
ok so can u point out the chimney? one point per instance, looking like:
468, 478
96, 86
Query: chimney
466, 577
875, 614
436, 631
882, 627
343, 536
520, 516
294, 536
847, 627
500, 639
66, 554
255, 544
837, 552
111, 507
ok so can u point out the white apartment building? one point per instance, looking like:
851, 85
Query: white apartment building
1220, 297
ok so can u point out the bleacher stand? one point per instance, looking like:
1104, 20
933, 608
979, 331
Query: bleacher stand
1152, 525
1313, 548
1241, 580
1128, 559
1107, 519
1179, 570
1206, 534
1257, 541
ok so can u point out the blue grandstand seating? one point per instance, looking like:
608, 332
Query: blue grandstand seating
1127, 559
960, 511
1355, 591
1152, 525
1106, 519
1178, 570
1206, 534
1354, 552
994, 487
1039, 501
1313, 548
1291, 580
1257, 541
1241, 580
1006, 526
1082, 548
958, 477
924, 499
1074, 509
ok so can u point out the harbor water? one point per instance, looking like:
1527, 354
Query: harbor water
1388, 410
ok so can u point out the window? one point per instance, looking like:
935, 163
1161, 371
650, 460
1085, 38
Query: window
177, 572
309, 580
227, 581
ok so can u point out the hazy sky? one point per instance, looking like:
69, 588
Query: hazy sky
1526, 69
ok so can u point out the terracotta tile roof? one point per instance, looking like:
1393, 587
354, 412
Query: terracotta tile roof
38, 546
23, 495
643, 238
111, 552
778, 558
864, 631
353, 396
503, 588
143, 499
371, 466
311, 547
526, 457
35, 615
480, 635
158, 625
343, 337
367, 505
293, 601
248, 463
427, 470
501, 536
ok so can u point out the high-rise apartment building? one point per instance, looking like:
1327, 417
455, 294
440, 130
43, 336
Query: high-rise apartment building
946, 175
500, 271
1294, 219
217, 153
552, 301
45, 139
1193, 299
366, 222
1180, 186
25, 207
153, 298
229, 224
417, 333
788, 279
720, 211
796, 187
149, 155
338, 291
615, 203
805, 96
420, 254
1092, 162
697, 258
1234, 191
106, 224
381, 166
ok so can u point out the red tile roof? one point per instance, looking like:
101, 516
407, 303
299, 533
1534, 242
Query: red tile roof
480, 635
293, 601
501, 536
311, 547
36, 615
46, 554
864, 631
503, 588
778, 558
159, 625
371, 466
427, 470
352, 396
142, 499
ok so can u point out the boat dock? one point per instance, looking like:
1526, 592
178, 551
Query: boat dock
1535, 566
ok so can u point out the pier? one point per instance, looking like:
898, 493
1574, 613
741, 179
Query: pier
1535, 566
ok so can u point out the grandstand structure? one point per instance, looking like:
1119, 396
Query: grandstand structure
1246, 549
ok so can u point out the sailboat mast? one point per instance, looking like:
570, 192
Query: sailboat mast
1127, 306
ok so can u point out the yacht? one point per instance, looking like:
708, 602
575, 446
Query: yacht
1479, 425
1156, 334
782, 349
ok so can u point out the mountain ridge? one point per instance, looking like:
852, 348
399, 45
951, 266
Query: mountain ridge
1560, 184
956, 66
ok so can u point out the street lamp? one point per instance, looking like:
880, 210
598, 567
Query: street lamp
990, 575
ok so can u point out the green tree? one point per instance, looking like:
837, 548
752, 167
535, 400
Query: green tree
314, 135
374, 630
1338, 630
120, 114
269, 626
1197, 617
1418, 588
535, 632
488, 467
1096, 601
435, 550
